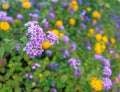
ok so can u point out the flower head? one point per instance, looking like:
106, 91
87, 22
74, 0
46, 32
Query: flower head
96, 84
107, 83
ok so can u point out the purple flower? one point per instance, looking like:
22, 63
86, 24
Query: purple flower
10, 19
34, 16
35, 66
51, 15
64, 4
20, 16
74, 62
66, 39
80, 2
114, 17
36, 38
107, 71
3, 15
61, 27
45, 23
72, 11
36, 10
42, 4
52, 37
65, 53
98, 30
107, 83
111, 51
117, 24
83, 26
73, 46
49, 52
98, 57
88, 47
79, 32
87, 19
53, 90
29, 75
54, 1
17, 47
77, 72
53, 84
119, 77
82, 14
106, 62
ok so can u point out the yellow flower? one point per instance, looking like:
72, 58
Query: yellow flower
26, 5
96, 84
72, 21
59, 23
98, 37
104, 39
98, 48
46, 45
74, 3
88, 9
55, 31
4, 26
5, 6
89, 35
112, 40
95, 21
23, 1
61, 34
75, 7
98, 45
96, 14
91, 31
103, 46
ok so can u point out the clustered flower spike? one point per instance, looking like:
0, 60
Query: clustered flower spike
36, 38
75, 63
107, 83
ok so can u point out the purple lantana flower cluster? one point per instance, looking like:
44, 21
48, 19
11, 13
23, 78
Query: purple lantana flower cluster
5, 17
75, 63
36, 38
106, 71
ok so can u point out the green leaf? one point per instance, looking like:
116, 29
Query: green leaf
2, 51
24, 39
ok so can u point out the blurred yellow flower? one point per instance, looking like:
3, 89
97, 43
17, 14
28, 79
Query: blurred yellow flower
55, 31
91, 31
4, 26
46, 45
72, 21
23, 1
112, 40
61, 34
96, 14
5, 6
95, 21
105, 39
59, 23
103, 46
26, 5
98, 37
96, 84
75, 7
88, 9
99, 48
